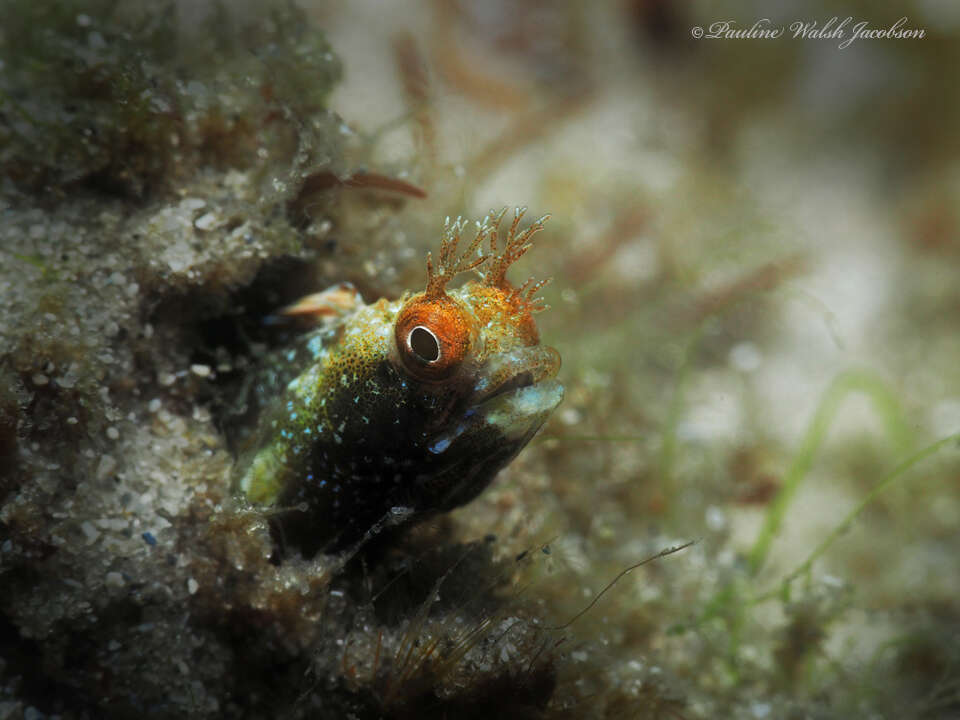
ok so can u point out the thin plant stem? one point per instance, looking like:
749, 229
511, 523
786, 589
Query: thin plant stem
851, 517
887, 408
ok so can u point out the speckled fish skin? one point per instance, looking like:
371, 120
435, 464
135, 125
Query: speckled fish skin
415, 403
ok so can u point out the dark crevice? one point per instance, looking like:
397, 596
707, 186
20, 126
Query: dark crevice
25, 663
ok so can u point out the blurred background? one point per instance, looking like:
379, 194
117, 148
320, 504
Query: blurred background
755, 255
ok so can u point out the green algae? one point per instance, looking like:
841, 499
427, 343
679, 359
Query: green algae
887, 408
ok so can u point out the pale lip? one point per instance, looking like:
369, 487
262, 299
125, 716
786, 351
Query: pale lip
513, 395
515, 369
519, 413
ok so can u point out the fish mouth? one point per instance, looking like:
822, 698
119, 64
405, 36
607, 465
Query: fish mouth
518, 413
514, 370
517, 382
513, 395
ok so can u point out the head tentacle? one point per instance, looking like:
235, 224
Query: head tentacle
494, 273
526, 294
450, 265
515, 247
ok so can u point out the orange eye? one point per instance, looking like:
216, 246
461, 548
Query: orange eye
433, 336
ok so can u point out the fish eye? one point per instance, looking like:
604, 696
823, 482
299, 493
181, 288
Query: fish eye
432, 336
424, 343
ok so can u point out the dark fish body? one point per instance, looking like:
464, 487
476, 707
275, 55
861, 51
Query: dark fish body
402, 409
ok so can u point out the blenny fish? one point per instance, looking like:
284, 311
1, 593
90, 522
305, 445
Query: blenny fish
391, 412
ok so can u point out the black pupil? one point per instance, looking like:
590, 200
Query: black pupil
424, 344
